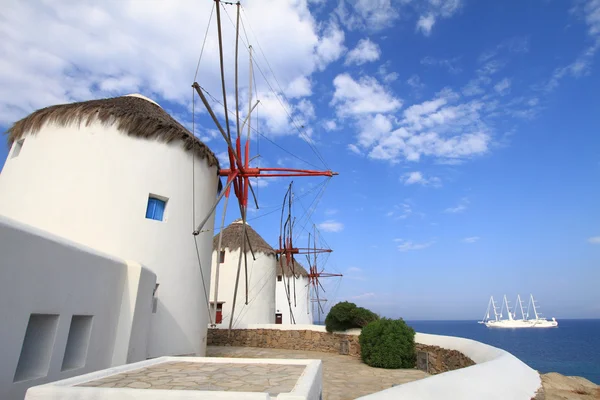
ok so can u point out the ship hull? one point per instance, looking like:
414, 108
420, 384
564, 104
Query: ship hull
522, 324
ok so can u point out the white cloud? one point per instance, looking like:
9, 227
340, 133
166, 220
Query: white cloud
223, 158
594, 240
503, 87
261, 183
441, 128
416, 177
399, 212
364, 96
460, 207
354, 269
415, 82
354, 148
331, 211
373, 128
409, 245
306, 110
451, 64
330, 47
590, 12
299, 87
425, 24
476, 86
491, 67
385, 74
373, 15
331, 226
471, 239
365, 51
330, 125
152, 50
364, 296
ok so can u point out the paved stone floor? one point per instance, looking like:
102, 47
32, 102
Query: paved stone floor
344, 377
271, 378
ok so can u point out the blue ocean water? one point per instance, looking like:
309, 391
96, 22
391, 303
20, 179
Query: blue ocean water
571, 349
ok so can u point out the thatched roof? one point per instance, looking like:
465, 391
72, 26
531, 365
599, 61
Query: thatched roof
133, 114
298, 269
232, 239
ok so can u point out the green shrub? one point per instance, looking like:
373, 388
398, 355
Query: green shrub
362, 317
346, 315
388, 343
339, 317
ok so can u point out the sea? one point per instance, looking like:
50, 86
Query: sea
573, 348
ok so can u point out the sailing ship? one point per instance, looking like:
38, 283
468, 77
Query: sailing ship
537, 320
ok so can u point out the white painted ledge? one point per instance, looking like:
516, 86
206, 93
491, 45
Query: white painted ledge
308, 387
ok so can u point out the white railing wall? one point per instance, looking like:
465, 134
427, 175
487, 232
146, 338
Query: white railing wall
66, 309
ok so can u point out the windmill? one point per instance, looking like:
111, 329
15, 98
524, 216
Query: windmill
239, 172
287, 252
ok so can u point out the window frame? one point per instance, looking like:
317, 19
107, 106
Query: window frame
154, 200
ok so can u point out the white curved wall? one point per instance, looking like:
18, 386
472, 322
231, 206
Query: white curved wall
91, 185
302, 308
497, 375
261, 288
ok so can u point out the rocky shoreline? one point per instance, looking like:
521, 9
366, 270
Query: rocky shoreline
560, 387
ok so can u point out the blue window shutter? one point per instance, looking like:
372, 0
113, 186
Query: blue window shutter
155, 209
159, 210
151, 207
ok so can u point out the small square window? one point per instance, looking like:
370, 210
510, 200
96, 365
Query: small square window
279, 278
156, 208
17, 148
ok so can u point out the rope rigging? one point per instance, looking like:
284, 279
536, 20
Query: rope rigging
240, 172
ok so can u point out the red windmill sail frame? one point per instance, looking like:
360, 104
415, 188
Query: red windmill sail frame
239, 172
287, 251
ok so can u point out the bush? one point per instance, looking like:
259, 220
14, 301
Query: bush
388, 343
362, 317
346, 315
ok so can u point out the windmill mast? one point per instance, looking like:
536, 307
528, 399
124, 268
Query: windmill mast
239, 172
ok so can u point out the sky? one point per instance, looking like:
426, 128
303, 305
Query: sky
465, 133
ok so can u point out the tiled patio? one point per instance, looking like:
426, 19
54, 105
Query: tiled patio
269, 378
344, 377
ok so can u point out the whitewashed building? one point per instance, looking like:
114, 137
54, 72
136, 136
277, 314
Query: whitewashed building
260, 308
293, 301
113, 188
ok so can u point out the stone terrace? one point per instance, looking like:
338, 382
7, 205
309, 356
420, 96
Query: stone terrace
269, 378
344, 377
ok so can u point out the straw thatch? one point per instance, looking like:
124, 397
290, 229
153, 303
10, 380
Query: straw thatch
132, 115
232, 239
298, 269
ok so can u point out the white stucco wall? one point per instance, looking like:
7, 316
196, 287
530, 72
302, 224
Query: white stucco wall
91, 185
41, 273
498, 375
302, 309
261, 288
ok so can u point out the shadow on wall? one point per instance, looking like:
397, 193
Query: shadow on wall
176, 333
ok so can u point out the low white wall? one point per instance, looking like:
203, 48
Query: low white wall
43, 274
308, 387
497, 375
